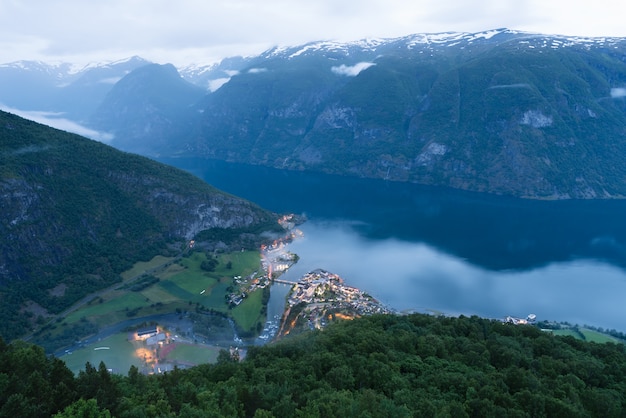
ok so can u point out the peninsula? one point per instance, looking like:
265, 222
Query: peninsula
320, 297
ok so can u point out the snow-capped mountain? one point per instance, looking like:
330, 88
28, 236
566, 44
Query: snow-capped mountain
62, 88
500, 111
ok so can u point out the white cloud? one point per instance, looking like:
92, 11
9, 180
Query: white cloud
618, 92
203, 32
110, 80
353, 70
217, 83
257, 70
53, 120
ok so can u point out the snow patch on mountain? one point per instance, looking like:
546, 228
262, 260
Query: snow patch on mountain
618, 92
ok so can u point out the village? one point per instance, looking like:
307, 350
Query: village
320, 297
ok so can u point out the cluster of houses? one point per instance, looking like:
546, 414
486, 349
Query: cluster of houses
325, 297
244, 286
520, 321
151, 345
274, 259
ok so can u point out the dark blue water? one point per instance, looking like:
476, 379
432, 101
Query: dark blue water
423, 248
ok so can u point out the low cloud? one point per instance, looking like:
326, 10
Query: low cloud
217, 83
618, 92
257, 70
351, 71
110, 80
53, 120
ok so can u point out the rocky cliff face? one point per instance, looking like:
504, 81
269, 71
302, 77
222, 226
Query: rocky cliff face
185, 214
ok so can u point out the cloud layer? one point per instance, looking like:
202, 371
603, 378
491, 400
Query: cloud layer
55, 121
205, 31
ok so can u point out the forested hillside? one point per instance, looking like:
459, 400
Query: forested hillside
380, 366
501, 111
76, 213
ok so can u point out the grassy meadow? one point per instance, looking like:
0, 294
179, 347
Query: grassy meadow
182, 285
585, 334
116, 351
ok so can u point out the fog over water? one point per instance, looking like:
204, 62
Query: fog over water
414, 276
426, 249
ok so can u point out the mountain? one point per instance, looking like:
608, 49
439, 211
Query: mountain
213, 76
500, 112
151, 101
76, 213
61, 88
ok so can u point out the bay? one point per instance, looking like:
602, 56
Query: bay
419, 248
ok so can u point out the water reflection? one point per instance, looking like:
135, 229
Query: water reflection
493, 232
416, 277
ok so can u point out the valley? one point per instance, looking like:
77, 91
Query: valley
272, 209
408, 247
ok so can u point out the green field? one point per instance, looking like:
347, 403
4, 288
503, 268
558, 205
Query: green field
193, 354
143, 266
585, 334
119, 356
181, 285
597, 337
122, 303
247, 314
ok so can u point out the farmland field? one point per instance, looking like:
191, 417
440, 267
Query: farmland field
597, 337
193, 354
182, 286
126, 301
115, 351
247, 314
143, 266
585, 334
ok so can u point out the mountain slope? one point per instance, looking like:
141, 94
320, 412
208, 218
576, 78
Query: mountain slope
145, 104
61, 88
501, 112
508, 113
76, 213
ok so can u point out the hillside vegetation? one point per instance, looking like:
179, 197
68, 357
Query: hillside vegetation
502, 112
76, 213
380, 366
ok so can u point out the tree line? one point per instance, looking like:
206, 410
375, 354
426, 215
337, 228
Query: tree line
385, 365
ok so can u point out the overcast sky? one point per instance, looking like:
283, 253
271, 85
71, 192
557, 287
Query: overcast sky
204, 31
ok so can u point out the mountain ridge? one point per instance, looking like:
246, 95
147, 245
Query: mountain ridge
498, 111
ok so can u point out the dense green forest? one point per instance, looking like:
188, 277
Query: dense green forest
378, 366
